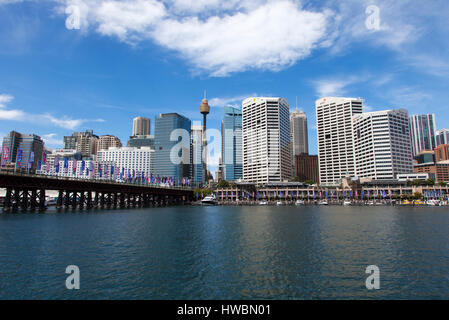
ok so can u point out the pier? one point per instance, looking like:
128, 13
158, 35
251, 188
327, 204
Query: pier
28, 193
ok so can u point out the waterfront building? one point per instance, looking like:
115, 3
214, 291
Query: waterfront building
24, 150
231, 132
266, 140
196, 154
141, 126
141, 141
423, 132
306, 167
443, 136
382, 144
172, 146
129, 161
335, 138
108, 141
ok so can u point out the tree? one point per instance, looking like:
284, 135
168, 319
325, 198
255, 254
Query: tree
417, 195
309, 182
223, 184
430, 182
296, 179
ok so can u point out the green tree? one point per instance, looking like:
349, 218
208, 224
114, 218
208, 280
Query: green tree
430, 182
417, 195
223, 184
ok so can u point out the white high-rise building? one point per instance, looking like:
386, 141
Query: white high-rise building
423, 132
266, 140
134, 161
442, 136
196, 153
335, 138
382, 145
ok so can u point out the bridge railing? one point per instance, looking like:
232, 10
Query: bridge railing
103, 181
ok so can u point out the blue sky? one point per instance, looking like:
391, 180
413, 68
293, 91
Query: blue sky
145, 57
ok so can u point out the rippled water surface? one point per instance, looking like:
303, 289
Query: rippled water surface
227, 253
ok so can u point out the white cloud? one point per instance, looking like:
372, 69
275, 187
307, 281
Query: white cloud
229, 101
5, 99
271, 37
52, 140
128, 20
215, 37
336, 86
19, 115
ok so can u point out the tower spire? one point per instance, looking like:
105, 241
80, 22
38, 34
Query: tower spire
296, 103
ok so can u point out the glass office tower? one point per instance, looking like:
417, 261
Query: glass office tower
172, 146
231, 128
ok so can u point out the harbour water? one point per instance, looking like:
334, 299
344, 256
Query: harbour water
226, 252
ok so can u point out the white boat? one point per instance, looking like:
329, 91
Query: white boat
347, 203
299, 202
323, 203
209, 200
263, 203
371, 203
433, 203
279, 203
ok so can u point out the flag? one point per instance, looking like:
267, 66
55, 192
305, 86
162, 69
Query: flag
66, 163
19, 156
74, 166
44, 158
5, 155
39, 165
83, 165
31, 158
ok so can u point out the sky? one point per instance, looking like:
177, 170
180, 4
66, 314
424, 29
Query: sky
72, 65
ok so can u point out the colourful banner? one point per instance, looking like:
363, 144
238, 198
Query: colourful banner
5, 155
19, 156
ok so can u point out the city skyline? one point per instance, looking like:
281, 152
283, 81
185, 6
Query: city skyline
94, 78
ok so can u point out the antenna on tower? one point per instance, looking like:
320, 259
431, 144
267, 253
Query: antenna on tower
296, 103
205, 94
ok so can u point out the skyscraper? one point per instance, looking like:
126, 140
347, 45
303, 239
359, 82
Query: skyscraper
196, 157
335, 140
231, 133
266, 140
423, 132
382, 144
141, 126
299, 133
442, 136
172, 146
